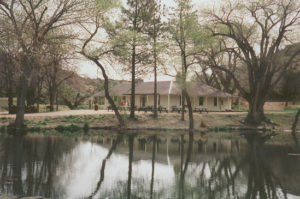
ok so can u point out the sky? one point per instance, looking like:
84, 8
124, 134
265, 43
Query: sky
88, 69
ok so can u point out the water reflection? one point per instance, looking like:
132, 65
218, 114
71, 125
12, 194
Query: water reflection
119, 166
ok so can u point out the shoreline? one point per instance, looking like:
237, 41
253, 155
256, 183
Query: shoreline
104, 120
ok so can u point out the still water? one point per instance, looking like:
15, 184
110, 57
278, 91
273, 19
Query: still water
131, 166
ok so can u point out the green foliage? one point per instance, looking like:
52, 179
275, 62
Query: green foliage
70, 128
292, 108
86, 127
290, 89
106, 5
83, 107
3, 129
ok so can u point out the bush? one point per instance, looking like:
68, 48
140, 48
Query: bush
28, 109
83, 107
292, 108
3, 129
86, 127
70, 128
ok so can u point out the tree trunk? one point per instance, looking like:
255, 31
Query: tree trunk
132, 106
154, 147
22, 91
130, 159
190, 109
155, 73
31, 91
256, 113
10, 103
294, 126
56, 100
52, 97
10, 98
38, 100
182, 105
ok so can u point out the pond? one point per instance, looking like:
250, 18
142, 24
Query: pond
117, 166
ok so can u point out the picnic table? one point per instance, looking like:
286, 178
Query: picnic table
160, 109
146, 109
176, 109
200, 110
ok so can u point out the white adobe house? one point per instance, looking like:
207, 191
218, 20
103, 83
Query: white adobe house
169, 95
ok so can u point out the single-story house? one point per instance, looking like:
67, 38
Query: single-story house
169, 95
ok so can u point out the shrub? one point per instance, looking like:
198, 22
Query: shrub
70, 128
83, 107
86, 127
3, 129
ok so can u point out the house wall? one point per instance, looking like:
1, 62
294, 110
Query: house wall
208, 102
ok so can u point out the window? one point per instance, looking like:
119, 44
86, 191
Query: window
200, 101
115, 98
101, 100
215, 101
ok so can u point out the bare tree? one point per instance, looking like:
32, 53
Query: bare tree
55, 75
215, 55
259, 29
31, 23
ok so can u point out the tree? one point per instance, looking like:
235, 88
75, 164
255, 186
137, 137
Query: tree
100, 22
54, 71
214, 55
8, 68
155, 30
290, 88
188, 38
259, 29
132, 47
31, 22
7, 71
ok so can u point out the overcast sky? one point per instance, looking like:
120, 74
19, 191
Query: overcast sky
88, 69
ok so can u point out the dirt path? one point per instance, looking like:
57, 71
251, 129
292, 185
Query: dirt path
92, 112
58, 113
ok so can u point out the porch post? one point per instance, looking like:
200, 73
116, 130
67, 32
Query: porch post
229, 103
169, 102
146, 104
105, 102
194, 103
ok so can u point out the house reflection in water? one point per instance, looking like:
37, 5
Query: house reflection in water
117, 166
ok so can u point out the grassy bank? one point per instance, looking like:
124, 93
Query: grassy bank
165, 121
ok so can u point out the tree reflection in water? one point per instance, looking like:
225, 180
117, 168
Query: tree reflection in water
102, 170
28, 165
224, 169
253, 167
184, 165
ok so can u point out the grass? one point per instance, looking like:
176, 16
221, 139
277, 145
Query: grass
292, 108
70, 128
43, 108
3, 129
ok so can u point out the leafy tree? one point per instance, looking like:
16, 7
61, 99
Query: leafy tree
189, 39
155, 29
131, 42
100, 10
